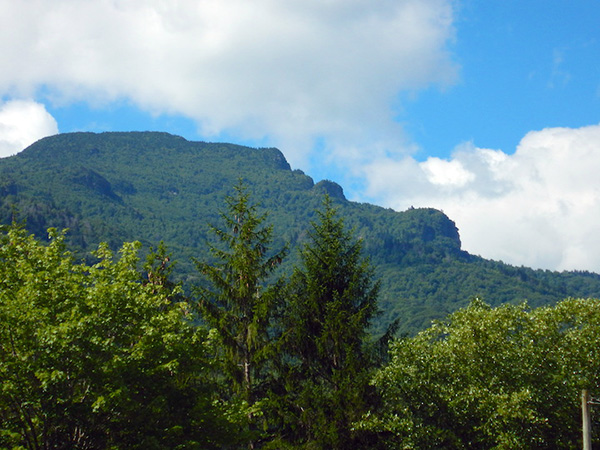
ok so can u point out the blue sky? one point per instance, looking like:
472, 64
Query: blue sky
488, 110
524, 65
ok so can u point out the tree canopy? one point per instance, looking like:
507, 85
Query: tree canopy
492, 378
83, 346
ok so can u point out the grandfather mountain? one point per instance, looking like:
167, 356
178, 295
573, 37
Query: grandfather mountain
152, 187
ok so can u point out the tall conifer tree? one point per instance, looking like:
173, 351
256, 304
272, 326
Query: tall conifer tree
240, 305
333, 299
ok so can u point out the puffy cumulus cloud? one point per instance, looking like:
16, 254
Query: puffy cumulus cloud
538, 207
292, 73
446, 173
21, 124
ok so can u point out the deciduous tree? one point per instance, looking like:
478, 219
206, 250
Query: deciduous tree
492, 378
93, 357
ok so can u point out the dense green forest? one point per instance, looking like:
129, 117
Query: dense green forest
152, 187
110, 352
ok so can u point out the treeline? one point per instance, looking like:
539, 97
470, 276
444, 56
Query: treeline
111, 353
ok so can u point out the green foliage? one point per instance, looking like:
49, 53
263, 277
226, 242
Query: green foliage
116, 187
239, 305
332, 301
100, 355
491, 378
92, 357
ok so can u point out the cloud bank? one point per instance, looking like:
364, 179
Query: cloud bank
289, 73
21, 124
539, 207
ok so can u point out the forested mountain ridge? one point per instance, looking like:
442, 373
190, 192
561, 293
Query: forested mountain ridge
151, 186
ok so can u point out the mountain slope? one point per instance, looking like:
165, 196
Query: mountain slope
151, 186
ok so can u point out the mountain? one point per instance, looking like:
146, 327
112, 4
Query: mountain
151, 186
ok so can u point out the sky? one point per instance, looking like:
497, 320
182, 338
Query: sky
487, 110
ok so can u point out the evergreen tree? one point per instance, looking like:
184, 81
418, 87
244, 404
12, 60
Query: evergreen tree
332, 301
239, 305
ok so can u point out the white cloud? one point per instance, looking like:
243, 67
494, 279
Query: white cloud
538, 207
296, 72
21, 124
446, 173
